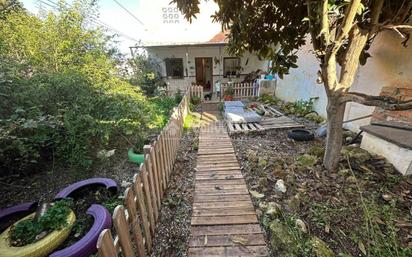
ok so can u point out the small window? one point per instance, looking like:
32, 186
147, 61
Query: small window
174, 67
231, 66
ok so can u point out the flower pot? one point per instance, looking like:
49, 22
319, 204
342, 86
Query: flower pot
228, 98
134, 157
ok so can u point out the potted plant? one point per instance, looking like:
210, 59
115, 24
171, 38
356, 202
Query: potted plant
229, 92
135, 154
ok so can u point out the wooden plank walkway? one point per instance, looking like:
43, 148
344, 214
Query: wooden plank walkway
224, 222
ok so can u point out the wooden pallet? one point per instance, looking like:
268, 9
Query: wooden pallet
266, 108
275, 120
224, 222
266, 124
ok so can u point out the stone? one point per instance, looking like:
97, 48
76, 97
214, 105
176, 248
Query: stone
320, 248
300, 224
273, 209
280, 186
125, 183
282, 238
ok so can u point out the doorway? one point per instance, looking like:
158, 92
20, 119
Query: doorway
204, 73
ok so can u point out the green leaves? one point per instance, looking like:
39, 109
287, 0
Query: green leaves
26, 231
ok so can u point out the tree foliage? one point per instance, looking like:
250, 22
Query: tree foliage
62, 96
146, 74
342, 31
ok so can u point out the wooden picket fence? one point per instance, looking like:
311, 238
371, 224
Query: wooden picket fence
196, 90
135, 221
241, 90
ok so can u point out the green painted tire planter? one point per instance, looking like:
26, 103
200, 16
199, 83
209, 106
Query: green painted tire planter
134, 157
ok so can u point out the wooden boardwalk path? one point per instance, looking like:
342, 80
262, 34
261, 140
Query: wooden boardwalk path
224, 222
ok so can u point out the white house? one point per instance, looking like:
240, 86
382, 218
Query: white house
206, 63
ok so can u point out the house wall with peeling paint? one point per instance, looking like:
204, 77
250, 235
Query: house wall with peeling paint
390, 65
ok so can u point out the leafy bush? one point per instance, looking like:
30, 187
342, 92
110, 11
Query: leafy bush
61, 93
26, 231
195, 100
146, 75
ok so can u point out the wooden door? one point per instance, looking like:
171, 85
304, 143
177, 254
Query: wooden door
200, 72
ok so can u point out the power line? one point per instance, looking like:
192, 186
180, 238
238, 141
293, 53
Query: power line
129, 12
94, 20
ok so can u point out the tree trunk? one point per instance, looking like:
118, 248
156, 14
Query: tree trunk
335, 113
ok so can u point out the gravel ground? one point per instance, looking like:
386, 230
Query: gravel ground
173, 230
330, 206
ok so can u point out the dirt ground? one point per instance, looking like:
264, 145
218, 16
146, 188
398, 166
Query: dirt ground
172, 232
362, 209
43, 186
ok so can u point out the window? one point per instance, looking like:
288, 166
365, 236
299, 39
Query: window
231, 66
174, 67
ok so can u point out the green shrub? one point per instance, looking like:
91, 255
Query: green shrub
195, 100
62, 96
55, 218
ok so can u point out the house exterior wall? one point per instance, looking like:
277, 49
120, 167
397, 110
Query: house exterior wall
189, 53
390, 65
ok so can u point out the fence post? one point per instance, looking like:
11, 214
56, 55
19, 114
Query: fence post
130, 201
142, 210
105, 246
122, 229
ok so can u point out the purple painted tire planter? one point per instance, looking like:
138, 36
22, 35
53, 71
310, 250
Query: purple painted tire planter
110, 184
87, 245
17, 210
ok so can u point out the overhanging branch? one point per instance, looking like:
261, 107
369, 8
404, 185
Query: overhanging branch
385, 102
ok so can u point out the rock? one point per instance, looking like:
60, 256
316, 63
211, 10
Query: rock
282, 239
273, 209
300, 224
125, 183
307, 160
41, 235
280, 186
256, 194
320, 248
104, 154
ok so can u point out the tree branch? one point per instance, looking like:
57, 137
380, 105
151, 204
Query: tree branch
357, 41
376, 11
315, 40
347, 24
385, 102
325, 23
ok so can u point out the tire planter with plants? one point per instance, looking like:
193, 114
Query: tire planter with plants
87, 245
301, 135
68, 191
16, 211
135, 157
37, 249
